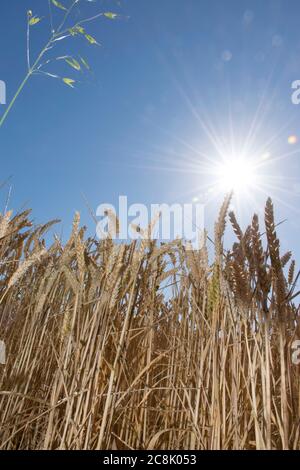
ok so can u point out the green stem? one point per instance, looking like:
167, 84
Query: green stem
14, 98
30, 72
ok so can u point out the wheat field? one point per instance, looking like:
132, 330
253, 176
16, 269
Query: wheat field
148, 345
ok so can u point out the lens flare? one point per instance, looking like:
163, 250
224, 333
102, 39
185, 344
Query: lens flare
292, 139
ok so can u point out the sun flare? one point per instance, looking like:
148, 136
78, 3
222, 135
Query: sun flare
236, 174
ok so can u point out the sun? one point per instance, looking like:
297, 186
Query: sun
236, 174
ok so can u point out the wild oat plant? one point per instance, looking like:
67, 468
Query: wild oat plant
147, 345
63, 27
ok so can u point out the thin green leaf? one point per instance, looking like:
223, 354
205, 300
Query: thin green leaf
76, 30
110, 15
73, 63
58, 5
85, 63
34, 20
91, 39
69, 82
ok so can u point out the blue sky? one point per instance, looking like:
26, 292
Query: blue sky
171, 79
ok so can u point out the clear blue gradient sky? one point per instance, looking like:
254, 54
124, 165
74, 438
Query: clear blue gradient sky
170, 85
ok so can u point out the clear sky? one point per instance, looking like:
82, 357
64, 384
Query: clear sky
175, 86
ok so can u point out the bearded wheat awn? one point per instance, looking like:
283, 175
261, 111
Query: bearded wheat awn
23, 268
4, 224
